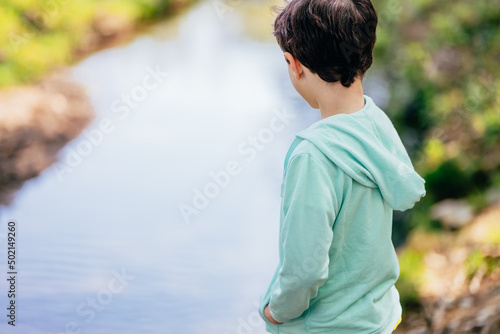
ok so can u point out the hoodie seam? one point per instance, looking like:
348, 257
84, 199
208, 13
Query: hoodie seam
325, 172
344, 159
349, 163
312, 158
374, 127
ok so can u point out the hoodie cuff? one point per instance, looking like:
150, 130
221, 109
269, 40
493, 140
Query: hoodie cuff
273, 315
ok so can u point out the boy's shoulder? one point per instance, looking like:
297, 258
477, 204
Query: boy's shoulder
306, 149
311, 162
302, 146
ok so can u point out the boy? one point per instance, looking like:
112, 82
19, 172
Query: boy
343, 177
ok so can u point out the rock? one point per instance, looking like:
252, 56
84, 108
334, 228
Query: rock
452, 213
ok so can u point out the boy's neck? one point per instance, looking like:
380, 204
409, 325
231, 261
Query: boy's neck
336, 99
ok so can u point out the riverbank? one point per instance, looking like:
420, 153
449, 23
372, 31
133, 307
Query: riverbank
36, 122
41, 108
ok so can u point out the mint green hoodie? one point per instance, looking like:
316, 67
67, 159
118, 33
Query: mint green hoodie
343, 177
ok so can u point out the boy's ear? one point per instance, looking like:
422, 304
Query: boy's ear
295, 64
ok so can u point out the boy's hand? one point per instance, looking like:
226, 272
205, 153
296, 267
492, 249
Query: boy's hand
267, 313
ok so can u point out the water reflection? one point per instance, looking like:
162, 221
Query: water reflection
117, 210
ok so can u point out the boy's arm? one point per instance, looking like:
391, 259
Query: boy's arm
306, 235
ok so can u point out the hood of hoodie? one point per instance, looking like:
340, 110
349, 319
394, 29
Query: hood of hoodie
367, 147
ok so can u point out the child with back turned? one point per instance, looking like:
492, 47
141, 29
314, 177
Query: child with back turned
343, 177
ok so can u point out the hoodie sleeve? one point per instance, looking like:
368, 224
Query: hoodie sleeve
306, 234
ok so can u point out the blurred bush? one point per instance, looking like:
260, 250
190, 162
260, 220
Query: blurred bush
440, 60
36, 35
441, 63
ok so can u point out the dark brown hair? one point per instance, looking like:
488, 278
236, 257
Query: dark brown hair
333, 38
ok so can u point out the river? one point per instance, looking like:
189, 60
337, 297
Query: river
162, 217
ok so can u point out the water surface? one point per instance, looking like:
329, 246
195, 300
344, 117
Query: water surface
102, 245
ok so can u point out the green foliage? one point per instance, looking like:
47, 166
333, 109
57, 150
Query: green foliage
411, 276
477, 260
441, 63
36, 35
474, 261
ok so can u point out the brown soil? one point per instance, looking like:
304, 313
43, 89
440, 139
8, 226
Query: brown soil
35, 123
